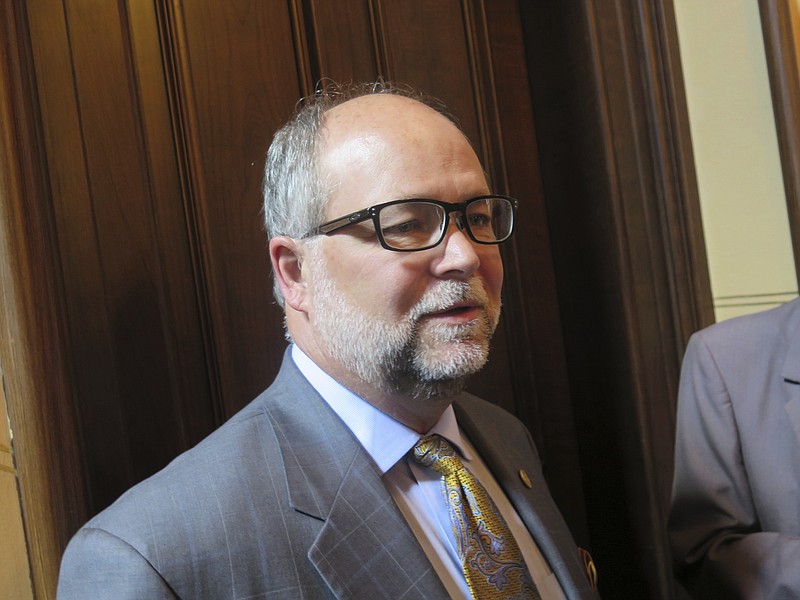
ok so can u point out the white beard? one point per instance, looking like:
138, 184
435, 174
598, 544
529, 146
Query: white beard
409, 356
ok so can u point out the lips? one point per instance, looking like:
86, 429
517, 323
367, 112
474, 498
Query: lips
460, 310
452, 301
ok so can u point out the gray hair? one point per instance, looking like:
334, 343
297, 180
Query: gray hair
294, 191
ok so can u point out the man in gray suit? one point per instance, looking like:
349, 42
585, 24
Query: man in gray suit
735, 519
390, 303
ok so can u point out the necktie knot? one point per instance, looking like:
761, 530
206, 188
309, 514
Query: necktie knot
437, 453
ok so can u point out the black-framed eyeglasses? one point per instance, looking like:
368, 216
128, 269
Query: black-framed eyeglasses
419, 223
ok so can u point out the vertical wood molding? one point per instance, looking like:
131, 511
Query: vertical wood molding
630, 259
663, 278
780, 42
184, 128
535, 345
307, 56
224, 71
630, 106
692, 300
379, 38
190, 379
32, 347
479, 52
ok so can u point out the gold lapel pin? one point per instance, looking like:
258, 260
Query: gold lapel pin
525, 479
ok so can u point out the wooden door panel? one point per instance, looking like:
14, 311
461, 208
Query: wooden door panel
427, 45
189, 373
78, 248
234, 82
156, 116
122, 245
125, 303
345, 40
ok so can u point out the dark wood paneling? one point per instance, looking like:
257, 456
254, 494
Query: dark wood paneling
426, 45
778, 17
623, 216
122, 243
189, 374
135, 266
235, 80
34, 361
535, 343
345, 40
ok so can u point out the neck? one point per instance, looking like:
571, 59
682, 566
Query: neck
417, 405
420, 414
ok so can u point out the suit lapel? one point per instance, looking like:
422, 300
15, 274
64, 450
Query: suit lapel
500, 450
365, 548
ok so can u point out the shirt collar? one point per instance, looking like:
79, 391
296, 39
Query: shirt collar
384, 439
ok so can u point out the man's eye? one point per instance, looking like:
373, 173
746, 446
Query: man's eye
403, 228
479, 220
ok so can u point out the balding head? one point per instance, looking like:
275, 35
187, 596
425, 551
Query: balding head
379, 130
296, 188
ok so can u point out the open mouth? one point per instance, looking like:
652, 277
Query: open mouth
459, 310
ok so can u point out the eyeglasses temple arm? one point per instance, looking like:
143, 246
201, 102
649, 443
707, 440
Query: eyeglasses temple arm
341, 222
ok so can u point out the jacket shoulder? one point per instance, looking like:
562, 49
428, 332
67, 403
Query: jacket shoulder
774, 324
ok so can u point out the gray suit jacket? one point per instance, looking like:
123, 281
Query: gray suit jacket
283, 502
735, 518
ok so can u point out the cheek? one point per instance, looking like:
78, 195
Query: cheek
399, 288
380, 283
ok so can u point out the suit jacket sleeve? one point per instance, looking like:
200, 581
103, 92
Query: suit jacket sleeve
99, 565
719, 547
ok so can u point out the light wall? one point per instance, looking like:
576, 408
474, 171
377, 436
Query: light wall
742, 197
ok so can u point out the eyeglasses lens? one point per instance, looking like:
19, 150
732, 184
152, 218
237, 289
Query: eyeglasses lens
415, 225
411, 225
490, 219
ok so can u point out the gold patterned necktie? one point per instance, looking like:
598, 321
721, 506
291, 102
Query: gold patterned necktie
490, 557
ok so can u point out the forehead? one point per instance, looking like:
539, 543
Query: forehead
381, 112
382, 147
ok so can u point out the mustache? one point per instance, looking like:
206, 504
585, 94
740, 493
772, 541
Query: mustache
447, 293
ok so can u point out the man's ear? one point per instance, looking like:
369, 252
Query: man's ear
287, 264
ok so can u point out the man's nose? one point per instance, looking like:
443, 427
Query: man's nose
459, 256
